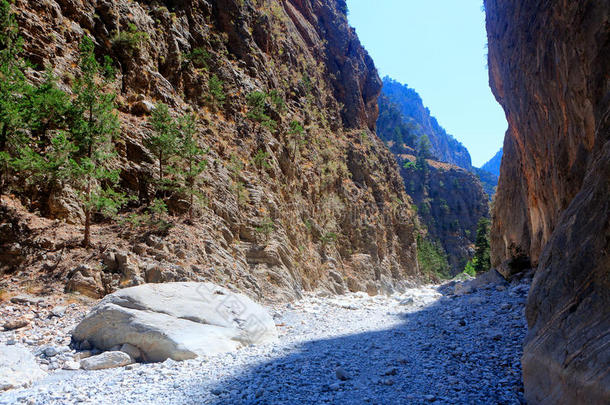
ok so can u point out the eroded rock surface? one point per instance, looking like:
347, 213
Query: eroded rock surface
276, 229
176, 320
548, 65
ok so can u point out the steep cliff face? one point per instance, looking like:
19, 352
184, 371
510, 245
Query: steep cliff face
445, 147
450, 202
450, 199
286, 210
548, 65
488, 181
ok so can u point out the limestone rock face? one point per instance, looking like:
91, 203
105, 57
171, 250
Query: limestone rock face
176, 320
450, 202
63, 204
548, 65
18, 368
444, 146
321, 196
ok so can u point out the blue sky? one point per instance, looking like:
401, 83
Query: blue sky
438, 48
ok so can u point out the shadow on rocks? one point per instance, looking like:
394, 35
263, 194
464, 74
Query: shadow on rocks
462, 349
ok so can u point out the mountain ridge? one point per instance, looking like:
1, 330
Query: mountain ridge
493, 165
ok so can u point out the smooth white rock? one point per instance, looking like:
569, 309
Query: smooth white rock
176, 320
106, 360
18, 368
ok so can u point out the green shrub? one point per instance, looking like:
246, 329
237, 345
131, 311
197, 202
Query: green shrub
217, 93
409, 165
328, 237
277, 100
432, 259
297, 133
257, 107
306, 83
296, 128
265, 227
261, 160
470, 268
199, 57
131, 40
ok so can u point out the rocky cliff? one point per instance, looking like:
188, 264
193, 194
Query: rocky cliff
450, 200
548, 66
489, 174
287, 210
445, 147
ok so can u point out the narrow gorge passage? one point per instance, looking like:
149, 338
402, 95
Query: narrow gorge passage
222, 202
426, 345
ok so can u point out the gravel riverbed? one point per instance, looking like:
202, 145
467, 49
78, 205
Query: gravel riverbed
423, 346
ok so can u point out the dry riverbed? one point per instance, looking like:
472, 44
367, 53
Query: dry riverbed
426, 345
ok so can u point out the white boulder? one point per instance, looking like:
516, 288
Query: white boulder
18, 368
106, 360
176, 320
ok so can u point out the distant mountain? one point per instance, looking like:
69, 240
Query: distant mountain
493, 165
489, 174
450, 195
407, 101
489, 181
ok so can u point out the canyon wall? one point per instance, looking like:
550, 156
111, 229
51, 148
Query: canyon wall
450, 202
286, 210
450, 198
548, 66
444, 146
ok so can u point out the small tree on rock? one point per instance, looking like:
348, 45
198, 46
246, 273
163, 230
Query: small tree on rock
481, 260
13, 87
95, 124
164, 140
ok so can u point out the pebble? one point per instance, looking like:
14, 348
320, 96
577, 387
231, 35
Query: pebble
16, 324
59, 311
50, 351
342, 374
71, 365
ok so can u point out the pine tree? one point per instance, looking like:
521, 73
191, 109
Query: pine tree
164, 140
192, 160
52, 167
217, 93
48, 107
13, 87
481, 260
423, 153
95, 123
424, 147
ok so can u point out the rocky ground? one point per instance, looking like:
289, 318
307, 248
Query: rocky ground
432, 344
